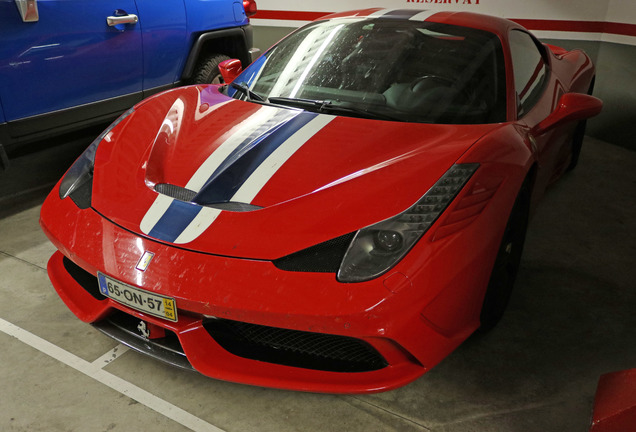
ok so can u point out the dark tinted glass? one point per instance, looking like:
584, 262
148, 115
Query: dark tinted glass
398, 69
530, 70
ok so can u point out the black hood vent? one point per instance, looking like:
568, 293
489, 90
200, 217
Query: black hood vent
187, 195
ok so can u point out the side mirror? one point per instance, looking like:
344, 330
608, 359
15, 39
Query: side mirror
572, 107
230, 69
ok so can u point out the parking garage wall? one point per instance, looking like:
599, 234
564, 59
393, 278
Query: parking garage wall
605, 29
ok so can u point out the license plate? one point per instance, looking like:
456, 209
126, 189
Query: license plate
153, 304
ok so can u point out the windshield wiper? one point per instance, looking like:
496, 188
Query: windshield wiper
243, 88
296, 102
328, 106
342, 108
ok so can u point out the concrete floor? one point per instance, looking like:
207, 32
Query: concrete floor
571, 318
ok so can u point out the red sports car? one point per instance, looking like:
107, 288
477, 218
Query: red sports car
337, 219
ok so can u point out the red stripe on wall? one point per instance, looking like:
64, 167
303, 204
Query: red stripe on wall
620, 29
289, 15
530, 24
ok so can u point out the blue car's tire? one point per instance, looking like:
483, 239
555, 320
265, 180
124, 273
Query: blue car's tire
207, 70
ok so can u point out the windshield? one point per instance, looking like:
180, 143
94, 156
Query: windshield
383, 68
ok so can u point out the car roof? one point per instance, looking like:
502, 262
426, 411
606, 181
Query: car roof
497, 25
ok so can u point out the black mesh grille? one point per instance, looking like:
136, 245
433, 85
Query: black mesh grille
84, 278
176, 192
295, 348
187, 195
233, 206
324, 257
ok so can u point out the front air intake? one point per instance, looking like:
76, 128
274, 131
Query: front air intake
296, 348
85, 279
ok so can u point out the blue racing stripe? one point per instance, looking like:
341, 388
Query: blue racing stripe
259, 133
223, 184
174, 221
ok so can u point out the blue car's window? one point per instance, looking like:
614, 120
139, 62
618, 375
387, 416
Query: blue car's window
385, 68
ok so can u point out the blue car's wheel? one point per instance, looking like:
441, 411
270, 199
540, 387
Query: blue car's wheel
207, 70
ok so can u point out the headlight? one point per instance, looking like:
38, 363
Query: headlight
79, 177
377, 248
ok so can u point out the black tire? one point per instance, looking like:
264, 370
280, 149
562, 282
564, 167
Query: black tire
577, 144
506, 266
207, 70
579, 134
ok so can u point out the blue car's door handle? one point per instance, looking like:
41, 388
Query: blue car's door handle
124, 19
28, 10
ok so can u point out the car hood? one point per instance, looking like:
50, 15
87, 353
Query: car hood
266, 181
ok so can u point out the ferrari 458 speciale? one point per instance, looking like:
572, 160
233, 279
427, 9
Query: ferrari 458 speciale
339, 216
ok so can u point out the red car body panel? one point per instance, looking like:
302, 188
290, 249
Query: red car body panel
354, 150
615, 402
342, 178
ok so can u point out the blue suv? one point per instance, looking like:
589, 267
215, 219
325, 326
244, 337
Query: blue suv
68, 64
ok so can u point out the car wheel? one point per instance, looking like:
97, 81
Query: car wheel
577, 139
577, 144
507, 262
207, 70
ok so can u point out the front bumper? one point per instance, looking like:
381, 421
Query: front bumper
385, 317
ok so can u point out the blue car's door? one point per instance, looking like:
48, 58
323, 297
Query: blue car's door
67, 54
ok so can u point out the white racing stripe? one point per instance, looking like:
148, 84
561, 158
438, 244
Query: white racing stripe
274, 161
235, 137
154, 213
199, 224
423, 16
261, 122
116, 383
259, 177
381, 12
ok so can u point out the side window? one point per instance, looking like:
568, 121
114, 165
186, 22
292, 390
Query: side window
530, 70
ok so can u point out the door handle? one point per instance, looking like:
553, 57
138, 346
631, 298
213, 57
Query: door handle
124, 19
28, 10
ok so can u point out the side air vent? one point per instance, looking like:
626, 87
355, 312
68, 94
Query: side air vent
324, 257
187, 195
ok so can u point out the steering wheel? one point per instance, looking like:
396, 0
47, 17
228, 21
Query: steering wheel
449, 82
432, 81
